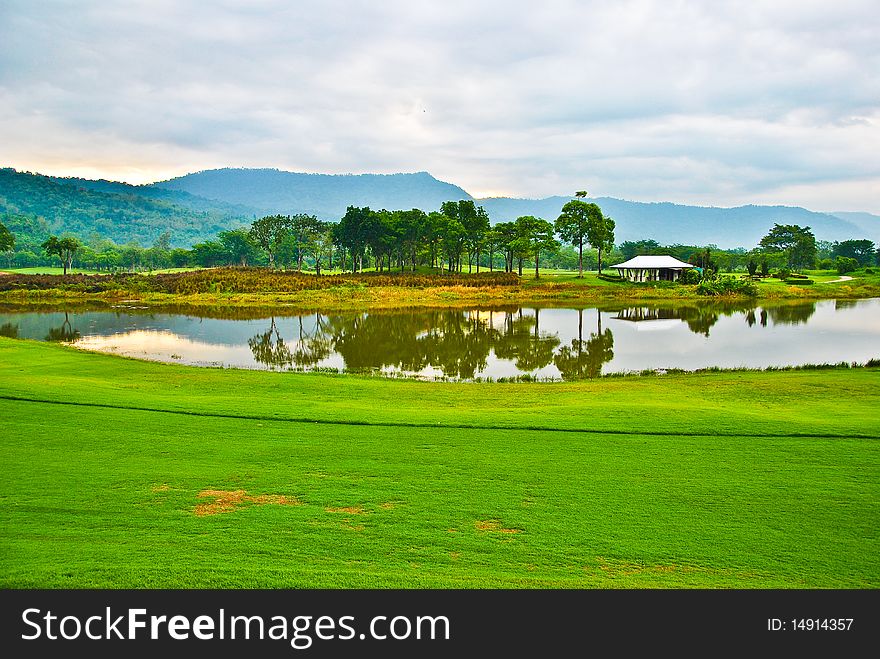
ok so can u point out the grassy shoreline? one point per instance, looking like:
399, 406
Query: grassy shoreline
250, 288
123, 473
364, 298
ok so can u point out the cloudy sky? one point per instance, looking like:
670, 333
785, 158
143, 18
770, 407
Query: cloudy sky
715, 103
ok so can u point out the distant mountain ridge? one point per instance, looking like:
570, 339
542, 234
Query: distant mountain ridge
324, 195
196, 206
670, 223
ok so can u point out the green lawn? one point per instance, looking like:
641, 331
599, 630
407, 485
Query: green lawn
712, 480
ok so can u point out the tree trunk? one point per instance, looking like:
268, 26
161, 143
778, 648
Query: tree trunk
600, 259
520, 267
581, 258
537, 274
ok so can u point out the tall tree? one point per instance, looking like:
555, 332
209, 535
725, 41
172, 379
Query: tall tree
300, 227
269, 232
539, 234
600, 231
65, 249
797, 243
319, 242
571, 225
353, 232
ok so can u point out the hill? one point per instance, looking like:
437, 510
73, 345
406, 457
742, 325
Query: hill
324, 195
127, 213
868, 222
196, 206
671, 223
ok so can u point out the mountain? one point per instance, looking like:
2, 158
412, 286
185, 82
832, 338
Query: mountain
670, 223
324, 195
197, 206
868, 222
124, 215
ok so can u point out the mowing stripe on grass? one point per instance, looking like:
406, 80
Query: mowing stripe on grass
456, 426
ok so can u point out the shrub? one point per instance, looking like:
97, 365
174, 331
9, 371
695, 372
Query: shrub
689, 277
726, 285
783, 274
800, 282
845, 264
869, 271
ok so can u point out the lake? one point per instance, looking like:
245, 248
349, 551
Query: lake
502, 342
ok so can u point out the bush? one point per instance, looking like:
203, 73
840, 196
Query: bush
846, 264
615, 278
725, 285
869, 271
825, 264
689, 277
783, 274
800, 282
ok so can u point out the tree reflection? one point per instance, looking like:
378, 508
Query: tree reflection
64, 333
521, 341
792, 314
270, 349
584, 359
9, 330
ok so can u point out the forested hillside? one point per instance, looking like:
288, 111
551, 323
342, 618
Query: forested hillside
64, 208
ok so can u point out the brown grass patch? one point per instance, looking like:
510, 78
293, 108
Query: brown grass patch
493, 526
226, 501
618, 568
350, 510
389, 505
160, 488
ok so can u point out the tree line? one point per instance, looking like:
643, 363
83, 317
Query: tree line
455, 238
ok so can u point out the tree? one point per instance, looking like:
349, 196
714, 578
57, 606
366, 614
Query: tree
65, 249
269, 232
631, 248
163, 242
539, 234
798, 244
862, 251
571, 225
239, 245
319, 243
600, 231
475, 223
353, 232
7, 239
300, 227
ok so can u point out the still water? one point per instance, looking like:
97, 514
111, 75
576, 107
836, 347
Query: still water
480, 343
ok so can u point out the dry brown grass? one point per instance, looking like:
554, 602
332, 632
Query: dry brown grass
226, 501
493, 526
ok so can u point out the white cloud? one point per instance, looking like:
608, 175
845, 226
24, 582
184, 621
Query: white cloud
717, 103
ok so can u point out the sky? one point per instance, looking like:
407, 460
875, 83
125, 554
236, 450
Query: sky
711, 103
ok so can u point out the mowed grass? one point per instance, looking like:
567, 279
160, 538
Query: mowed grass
755, 480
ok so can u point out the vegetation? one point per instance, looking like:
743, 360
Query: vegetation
798, 244
211, 478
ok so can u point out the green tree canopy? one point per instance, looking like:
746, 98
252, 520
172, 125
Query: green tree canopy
269, 232
7, 239
571, 225
600, 231
797, 243
864, 251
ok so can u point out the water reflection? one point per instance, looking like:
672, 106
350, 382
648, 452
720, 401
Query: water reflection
501, 342
64, 332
